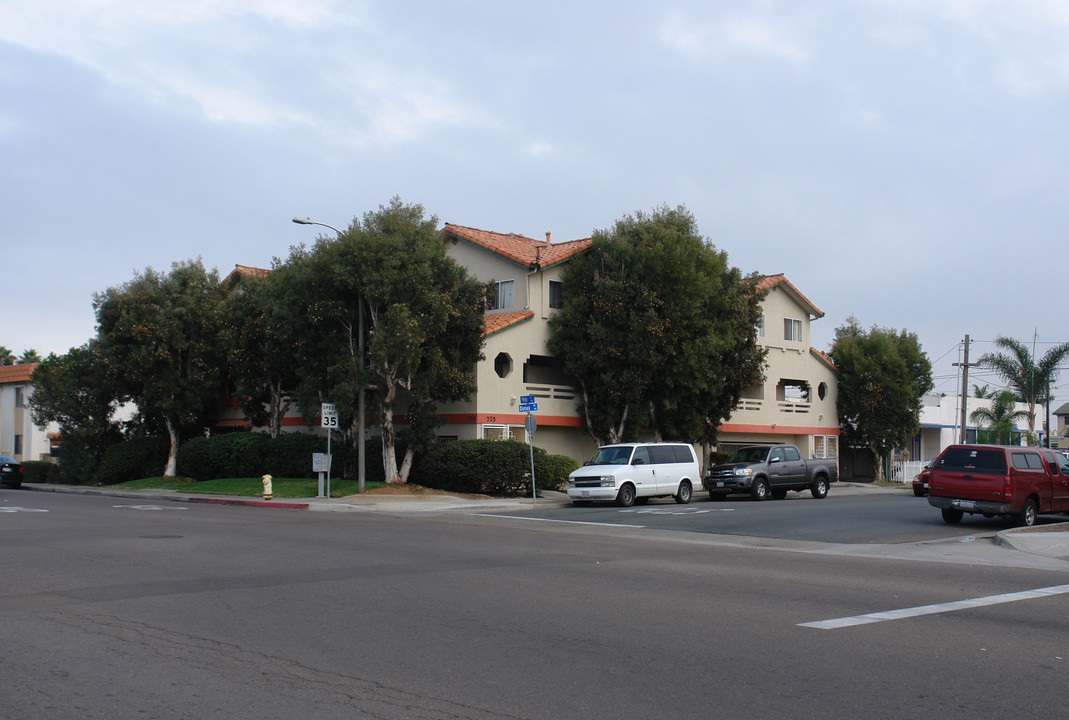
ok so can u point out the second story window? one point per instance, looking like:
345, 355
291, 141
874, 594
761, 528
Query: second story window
556, 297
761, 326
502, 295
792, 330
20, 397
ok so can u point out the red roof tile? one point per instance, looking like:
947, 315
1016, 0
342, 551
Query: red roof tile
496, 323
770, 281
525, 251
16, 373
241, 271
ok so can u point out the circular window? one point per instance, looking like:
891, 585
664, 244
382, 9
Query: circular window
503, 365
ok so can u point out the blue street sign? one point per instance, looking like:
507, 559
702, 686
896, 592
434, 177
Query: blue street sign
528, 407
527, 399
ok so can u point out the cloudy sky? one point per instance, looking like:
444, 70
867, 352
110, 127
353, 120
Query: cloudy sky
902, 161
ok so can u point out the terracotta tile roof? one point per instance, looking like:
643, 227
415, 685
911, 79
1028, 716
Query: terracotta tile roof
770, 281
823, 358
16, 373
525, 251
496, 323
241, 271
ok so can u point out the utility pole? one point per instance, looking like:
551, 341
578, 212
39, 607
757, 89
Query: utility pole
964, 365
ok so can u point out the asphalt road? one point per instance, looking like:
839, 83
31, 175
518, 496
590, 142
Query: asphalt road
114, 609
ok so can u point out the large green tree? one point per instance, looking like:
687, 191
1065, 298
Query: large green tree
263, 330
73, 391
883, 374
159, 337
657, 329
424, 320
1030, 381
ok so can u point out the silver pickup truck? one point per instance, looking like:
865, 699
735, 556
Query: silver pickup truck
763, 470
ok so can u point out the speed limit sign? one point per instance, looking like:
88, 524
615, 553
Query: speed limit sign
329, 415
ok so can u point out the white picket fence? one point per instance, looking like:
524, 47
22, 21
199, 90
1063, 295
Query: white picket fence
904, 471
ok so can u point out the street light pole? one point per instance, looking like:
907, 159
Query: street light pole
360, 407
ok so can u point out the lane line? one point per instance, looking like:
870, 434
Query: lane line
837, 623
551, 520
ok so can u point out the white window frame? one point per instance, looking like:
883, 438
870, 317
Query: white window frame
503, 300
792, 330
560, 293
761, 326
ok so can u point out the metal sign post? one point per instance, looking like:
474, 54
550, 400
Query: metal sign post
329, 420
531, 424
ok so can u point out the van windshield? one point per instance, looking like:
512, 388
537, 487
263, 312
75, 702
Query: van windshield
977, 460
611, 456
750, 455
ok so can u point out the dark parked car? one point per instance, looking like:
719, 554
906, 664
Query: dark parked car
10, 471
920, 481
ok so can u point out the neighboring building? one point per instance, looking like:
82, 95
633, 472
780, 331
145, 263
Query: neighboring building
1060, 438
940, 424
19, 437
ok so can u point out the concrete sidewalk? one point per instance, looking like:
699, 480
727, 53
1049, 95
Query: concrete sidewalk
1049, 539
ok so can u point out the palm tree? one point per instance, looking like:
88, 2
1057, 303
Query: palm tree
6, 356
1029, 381
28, 356
1001, 417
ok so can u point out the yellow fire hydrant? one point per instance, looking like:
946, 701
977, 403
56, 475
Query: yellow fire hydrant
267, 487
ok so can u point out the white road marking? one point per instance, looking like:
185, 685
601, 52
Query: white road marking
566, 522
935, 609
689, 511
20, 509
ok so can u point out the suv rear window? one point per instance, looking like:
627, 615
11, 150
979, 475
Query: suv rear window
977, 460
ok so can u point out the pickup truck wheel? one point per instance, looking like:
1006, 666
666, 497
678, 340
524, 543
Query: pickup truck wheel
779, 494
626, 496
683, 496
759, 489
1027, 516
952, 516
819, 488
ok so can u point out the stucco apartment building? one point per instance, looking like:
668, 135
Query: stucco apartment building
796, 403
19, 437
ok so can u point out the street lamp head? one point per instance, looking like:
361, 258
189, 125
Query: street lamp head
304, 221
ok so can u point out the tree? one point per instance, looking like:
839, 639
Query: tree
1029, 381
1001, 417
28, 356
424, 319
262, 333
6, 356
159, 338
73, 391
657, 329
883, 375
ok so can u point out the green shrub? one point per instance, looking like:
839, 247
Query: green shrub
133, 459
488, 467
41, 471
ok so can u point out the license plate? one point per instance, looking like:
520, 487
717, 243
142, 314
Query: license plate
720, 484
585, 493
967, 504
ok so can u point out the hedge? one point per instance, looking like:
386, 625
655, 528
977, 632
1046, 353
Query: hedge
133, 459
41, 471
489, 467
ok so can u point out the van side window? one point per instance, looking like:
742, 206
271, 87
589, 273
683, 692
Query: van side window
662, 454
683, 454
641, 457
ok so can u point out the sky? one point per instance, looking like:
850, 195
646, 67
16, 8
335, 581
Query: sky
903, 162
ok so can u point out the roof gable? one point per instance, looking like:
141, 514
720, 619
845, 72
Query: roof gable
525, 251
769, 282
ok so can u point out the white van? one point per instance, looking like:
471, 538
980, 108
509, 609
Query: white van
635, 472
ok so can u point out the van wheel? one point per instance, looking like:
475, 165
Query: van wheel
1027, 516
820, 488
779, 494
759, 489
683, 496
952, 516
626, 496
